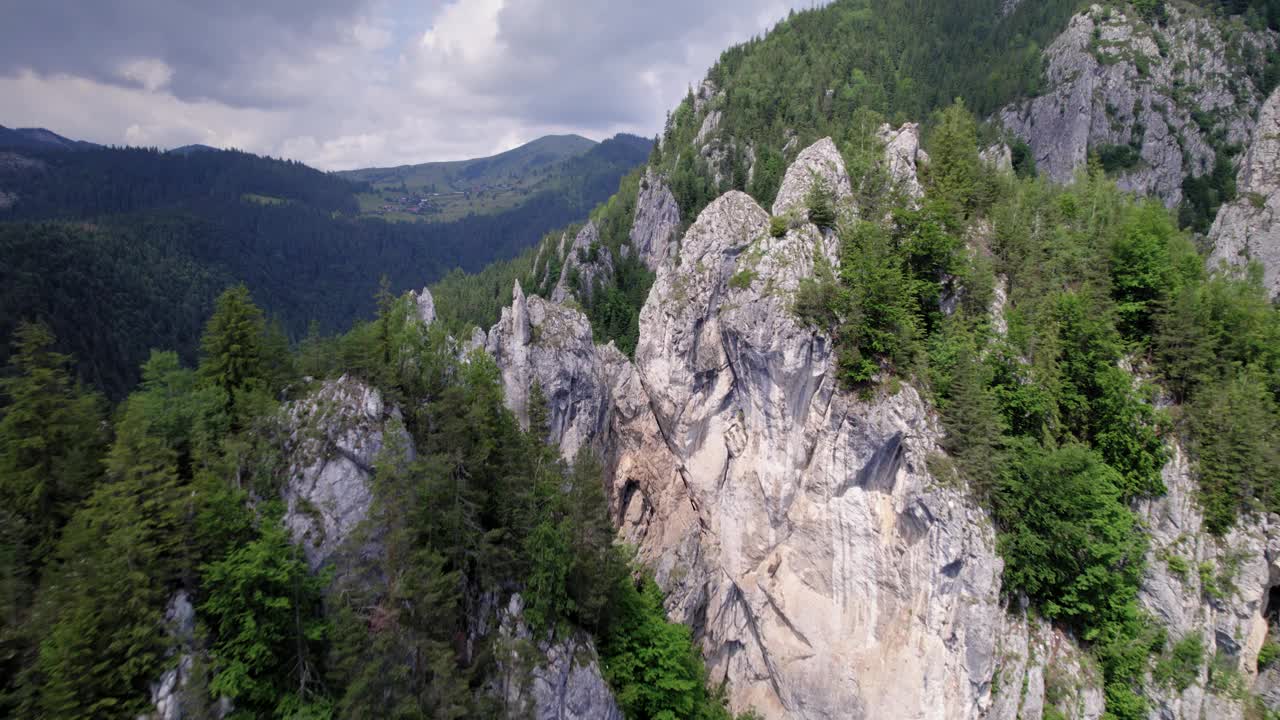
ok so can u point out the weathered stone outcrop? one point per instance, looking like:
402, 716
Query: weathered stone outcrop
1248, 228
168, 696
657, 220
425, 304
585, 262
1116, 81
1216, 588
549, 679
336, 435
819, 162
536, 341
903, 157
797, 527
794, 526
998, 157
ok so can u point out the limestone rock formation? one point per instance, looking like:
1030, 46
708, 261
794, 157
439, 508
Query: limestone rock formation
425, 304
548, 679
902, 157
657, 220
536, 341
793, 526
820, 161
999, 157
1216, 588
585, 262
1111, 80
337, 433
1248, 228
167, 696
797, 528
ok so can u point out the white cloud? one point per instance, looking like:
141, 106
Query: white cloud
151, 73
381, 82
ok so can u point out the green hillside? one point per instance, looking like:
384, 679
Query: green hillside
142, 241
444, 191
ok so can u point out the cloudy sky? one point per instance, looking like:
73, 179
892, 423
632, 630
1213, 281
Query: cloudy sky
356, 83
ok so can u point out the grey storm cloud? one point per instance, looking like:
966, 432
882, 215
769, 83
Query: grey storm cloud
214, 50
344, 84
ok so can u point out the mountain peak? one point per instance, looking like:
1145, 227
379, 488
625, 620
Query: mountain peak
39, 139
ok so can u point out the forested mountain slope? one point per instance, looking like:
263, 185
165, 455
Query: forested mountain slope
821, 415
148, 239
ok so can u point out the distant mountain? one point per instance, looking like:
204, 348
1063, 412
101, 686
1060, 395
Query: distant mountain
446, 191
141, 241
526, 161
39, 139
189, 149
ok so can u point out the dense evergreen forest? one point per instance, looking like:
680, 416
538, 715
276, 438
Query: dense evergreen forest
1115, 342
142, 241
1046, 423
181, 490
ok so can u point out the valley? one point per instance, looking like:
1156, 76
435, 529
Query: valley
925, 366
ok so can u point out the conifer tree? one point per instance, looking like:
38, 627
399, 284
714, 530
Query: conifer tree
231, 347
973, 424
51, 443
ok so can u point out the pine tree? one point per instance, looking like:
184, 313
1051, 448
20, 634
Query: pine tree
973, 424
597, 565
1183, 344
821, 204
955, 173
231, 347
51, 443
1236, 424
263, 605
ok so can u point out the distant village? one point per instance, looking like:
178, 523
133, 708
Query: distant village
426, 202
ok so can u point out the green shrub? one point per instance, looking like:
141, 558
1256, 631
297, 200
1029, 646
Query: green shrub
1181, 666
742, 279
1068, 540
1117, 158
651, 663
778, 226
822, 211
1178, 566
1268, 654
1208, 582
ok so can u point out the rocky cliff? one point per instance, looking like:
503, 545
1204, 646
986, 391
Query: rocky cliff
334, 435
1214, 590
794, 526
1246, 229
798, 529
1174, 93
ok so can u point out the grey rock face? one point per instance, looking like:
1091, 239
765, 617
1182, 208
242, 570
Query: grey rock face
707, 92
710, 124
549, 679
1215, 587
1038, 666
793, 526
657, 220
903, 157
588, 260
336, 435
167, 697
1111, 80
796, 527
998, 157
426, 306
1246, 229
540, 341
820, 162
